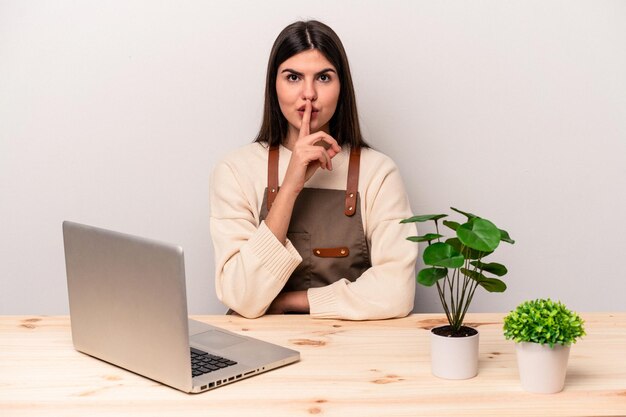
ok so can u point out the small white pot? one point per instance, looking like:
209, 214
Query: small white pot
454, 357
542, 369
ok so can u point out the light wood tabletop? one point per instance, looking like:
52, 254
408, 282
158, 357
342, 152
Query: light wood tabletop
376, 368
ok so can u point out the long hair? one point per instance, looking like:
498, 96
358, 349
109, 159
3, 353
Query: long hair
295, 38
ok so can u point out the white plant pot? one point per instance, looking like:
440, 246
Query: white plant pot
454, 357
542, 369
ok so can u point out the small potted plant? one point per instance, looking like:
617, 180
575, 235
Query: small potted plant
544, 331
456, 267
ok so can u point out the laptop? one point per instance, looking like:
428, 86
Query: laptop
128, 307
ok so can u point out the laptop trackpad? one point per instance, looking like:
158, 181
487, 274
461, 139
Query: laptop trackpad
216, 339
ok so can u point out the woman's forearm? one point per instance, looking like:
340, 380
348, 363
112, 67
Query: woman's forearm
280, 213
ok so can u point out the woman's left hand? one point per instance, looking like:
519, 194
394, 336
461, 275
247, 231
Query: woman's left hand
289, 302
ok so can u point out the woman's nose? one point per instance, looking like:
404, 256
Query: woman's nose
308, 91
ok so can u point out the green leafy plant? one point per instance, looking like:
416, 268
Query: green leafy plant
456, 265
543, 321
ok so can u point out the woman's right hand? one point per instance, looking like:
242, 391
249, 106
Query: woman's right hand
309, 153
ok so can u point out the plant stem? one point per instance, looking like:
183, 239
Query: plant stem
452, 299
459, 298
473, 287
465, 303
471, 296
443, 301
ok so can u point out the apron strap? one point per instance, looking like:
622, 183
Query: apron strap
272, 176
352, 186
353, 181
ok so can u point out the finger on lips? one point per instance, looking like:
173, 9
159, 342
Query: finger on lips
305, 127
319, 139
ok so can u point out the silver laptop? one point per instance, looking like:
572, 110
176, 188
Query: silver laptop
128, 306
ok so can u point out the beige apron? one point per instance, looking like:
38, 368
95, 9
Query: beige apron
325, 228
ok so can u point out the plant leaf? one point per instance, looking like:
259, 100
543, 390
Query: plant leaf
452, 225
469, 216
428, 276
479, 234
423, 218
468, 253
492, 285
476, 276
442, 254
425, 238
504, 236
493, 267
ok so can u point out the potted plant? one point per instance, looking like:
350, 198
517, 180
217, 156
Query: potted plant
544, 331
456, 267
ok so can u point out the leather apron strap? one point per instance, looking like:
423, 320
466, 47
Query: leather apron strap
352, 186
272, 175
353, 181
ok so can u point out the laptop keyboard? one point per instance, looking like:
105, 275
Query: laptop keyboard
203, 362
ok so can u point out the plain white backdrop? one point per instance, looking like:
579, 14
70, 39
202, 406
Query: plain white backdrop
114, 114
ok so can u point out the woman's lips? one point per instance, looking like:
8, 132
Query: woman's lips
313, 113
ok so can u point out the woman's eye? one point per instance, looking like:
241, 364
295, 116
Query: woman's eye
292, 77
325, 78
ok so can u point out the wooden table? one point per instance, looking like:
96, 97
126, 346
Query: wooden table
377, 368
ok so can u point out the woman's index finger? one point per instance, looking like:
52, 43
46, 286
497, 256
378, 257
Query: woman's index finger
305, 126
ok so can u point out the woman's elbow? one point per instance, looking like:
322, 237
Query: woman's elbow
402, 302
247, 313
242, 307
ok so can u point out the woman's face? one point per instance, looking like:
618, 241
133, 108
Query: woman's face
307, 76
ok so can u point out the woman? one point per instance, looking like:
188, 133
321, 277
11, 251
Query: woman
306, 218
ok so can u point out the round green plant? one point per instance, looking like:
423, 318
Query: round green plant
543, 321
455, 265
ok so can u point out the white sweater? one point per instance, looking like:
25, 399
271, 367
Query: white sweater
252, 266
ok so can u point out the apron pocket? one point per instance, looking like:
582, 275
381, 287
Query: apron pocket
340, 252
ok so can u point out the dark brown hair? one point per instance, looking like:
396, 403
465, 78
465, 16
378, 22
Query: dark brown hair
295, 38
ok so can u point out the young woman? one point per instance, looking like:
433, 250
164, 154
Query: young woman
306, 218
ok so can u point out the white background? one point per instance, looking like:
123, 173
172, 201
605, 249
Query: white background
114, 114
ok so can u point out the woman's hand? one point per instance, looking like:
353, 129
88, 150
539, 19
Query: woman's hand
289, 302
310, 152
